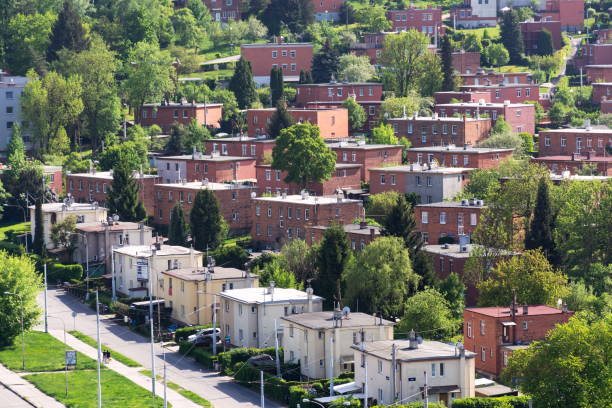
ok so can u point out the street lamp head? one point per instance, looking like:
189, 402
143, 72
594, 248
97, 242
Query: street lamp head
305, 400
9, 293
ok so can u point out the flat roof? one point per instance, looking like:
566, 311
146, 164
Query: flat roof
601, 65
242, 139
427, 350
361, 146
453, 148
200, 274
299, 109
205, 157
440, 118
535, 310
204, 185
353, 229
144, 251
273, 44
499, 86
184, 105
601, 84
450, 204
309, 199
483, 105
328, 84
115, 226
578, 130
325, 320
75, 207
108, 175
337, 165
571, 158
263, 295
454, 251
416, 168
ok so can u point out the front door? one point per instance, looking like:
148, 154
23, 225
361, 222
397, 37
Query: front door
444, 398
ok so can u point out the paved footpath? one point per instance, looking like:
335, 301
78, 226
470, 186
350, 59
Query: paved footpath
11, 384
220, 390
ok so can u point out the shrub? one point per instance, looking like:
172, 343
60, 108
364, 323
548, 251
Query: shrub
228, 359
64, 273
182, 334
501, 402
297, 395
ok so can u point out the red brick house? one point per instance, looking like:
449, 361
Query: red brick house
594, 54
448, 219
346, 176
488, 330
461, 96
337, 92
515, 93
459, 156
198, 166
234, 200
367, 155
95, 186
520, 116
606, 106
327, 10
429, 182
569, 12
531, 31
284, 217
54, 177
425, 20
564, 142
166, 114
598, 73
490, 77
290, 57
575, 162
332, 123
601, 91
371, 47
372, 110
360, 235
423, 131
466, 62
224, 10
241, 146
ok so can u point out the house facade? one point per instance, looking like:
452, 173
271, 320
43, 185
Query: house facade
520, 116
332, 122
241, 146
564, 142
366, 155
197, 167
425, 20
359, 235
457, 156
515, 93
532, 30
448, 219
11, 89
167, 114
337, 92
291, 58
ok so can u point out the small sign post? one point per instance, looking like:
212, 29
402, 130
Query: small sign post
71, 358
412, 379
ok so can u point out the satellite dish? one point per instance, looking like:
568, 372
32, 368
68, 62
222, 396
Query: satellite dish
346, 310
419, 340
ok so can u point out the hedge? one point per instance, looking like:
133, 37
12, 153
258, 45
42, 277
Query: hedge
417, 405
228, 359
182, 334
200, 355
64, 273
500, 402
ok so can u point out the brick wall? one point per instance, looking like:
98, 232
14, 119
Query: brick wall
270, 181
224, 10
332, 123
441, 131
599, 73
247, 147
292, 58
368, 158
520, 117
495, 78
423, 20
601, 91
469, 97
531, 31
166, 116
220, 171
555, 143
515, 93
337, 92
466, 62
458, 158
454, 220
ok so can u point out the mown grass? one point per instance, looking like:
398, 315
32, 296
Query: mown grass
492, 31
117, 391
93, 343
190, 395
43, 352
18, 228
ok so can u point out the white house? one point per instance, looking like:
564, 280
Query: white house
248, 316
321, 341
448, 371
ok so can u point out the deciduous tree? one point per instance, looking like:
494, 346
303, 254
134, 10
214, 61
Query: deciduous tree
428, 313
295, 14
402, 58
384, 134
353, 68
356, 113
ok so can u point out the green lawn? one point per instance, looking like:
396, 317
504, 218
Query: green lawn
493, 31
210, 74
18, 228
117, 356
190, 395
43, 353
117, 391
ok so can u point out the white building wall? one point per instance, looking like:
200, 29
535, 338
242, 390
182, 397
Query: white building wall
11, 88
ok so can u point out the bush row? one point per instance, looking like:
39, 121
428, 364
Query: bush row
199, 354
57, 272
228, 359
500, 402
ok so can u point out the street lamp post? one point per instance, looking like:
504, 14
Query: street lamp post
65, 350
22, 330
86, 262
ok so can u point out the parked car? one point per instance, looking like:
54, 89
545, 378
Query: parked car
204, 336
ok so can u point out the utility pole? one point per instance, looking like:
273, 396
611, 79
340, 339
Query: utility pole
165, 382
393, 371
581, 77
365, 387
214, 336
278, 367
261, 389
113, 273
46, 312
425, 392
331, 367
151, 324
99, 350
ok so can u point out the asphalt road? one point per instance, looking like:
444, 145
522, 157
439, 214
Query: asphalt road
218, 389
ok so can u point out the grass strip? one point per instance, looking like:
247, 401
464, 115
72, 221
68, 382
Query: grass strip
93, 343
190, 395
43, 352
117, 391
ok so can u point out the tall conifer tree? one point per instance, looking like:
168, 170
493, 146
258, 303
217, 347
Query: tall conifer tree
511, 36
446, 55
332, 258
207, 224
123, 198
242, 84
540, 234
177, 231
68, 32
280, 119
277, 85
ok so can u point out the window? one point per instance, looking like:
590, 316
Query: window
525, 325
269, 211
292, 53
380, 366
444, 129
497, 93
482, 327
185, 113
393, 179
175, 113
290, 330
307, 214
454, 129
443, 217
380, 396
424, 217
257, 229
269, 230
9, 95
433, 369
423, 138
578, 144
518, 92
298, 213
9, 125
293, 67
428, 181
337, 211
441, 371
371, 110
473, 219
182, 310
483, 354
289, 212
274, 54
284, 53
240, 334
563, 141
469, 330
455, 160
546, 140
418, 180
268, 175
527, 91
9, 109
382, 179
278, 175
409, 129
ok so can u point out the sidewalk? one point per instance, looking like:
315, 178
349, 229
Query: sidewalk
174, 398
27, 391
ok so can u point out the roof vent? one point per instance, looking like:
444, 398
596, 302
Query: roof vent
413, 343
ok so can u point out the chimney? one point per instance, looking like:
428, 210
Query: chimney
271, 287
363, 224
525, 309
191, 257
413, 343
309, 292
372, 233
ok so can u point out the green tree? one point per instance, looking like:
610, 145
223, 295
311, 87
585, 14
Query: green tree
403, 55
399, 222
277, 85
131, 154
325, 63
187, 29
303, 154
17, 276
276, 271
332, 259
123, 197
50, 104
177, 230
176, 141
242, 84
26, 41
305, 77
295, 14
374, 18
62, 234
208, 228
381, 204
511, 36
452, 288
97, 67
530, 276
540, 233
148, 73
402, 107
428, 313
384, 134
472, 43
354, 68
570, 368
446, 54
68, 32
280, 119
545, 43
231, 256
497, 55
356, 113
380, 277
15, 151
301, 259
38, 243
